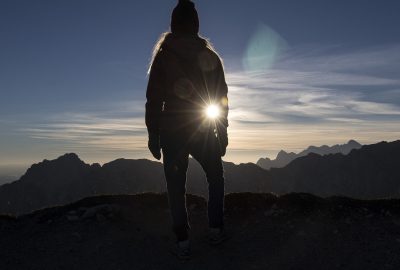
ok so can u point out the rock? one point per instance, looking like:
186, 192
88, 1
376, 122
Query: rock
100, 218
348, 220
106, 210
77, 236
301, 233
72, 218
269, 212
396, 221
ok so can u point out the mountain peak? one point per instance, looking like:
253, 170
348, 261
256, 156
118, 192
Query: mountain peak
283, 158
354, 143
70, 157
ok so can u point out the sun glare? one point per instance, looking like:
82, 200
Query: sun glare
212, 111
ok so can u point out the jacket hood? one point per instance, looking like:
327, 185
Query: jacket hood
187, 47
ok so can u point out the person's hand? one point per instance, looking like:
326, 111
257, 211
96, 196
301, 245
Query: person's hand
154, 145
223, 140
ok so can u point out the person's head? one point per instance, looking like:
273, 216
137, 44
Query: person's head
184, 19
184, 22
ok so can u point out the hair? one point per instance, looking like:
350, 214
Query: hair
163, 37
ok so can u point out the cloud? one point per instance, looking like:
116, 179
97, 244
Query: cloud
317, 98
119, 128
322, 97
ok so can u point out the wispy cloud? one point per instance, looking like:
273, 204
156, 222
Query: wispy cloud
312, 98
98, 135
92, 131
306, 98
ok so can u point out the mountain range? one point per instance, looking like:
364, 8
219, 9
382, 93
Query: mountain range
368, 172
283, 158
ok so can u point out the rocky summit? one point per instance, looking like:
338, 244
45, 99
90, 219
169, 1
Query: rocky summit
292, 231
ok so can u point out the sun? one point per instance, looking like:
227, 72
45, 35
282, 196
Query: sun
212, 111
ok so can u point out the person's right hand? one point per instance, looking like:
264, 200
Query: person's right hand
223, 140
154, 145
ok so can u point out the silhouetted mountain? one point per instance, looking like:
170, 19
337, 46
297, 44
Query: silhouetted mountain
369, 172
283, 158
68, 178
292, 231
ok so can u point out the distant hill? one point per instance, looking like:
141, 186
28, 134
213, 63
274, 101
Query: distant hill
369, 172
283, 158
292, 231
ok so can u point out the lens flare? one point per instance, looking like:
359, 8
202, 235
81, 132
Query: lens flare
264, 49
212, 111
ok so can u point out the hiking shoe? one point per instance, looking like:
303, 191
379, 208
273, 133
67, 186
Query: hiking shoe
182, 250
217, 236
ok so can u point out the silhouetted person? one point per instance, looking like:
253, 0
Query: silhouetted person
186, 77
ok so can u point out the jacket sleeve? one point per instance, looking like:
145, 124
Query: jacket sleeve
155, 95
222, 94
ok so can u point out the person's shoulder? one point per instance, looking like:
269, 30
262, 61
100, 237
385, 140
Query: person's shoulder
211, 51
159, 58
213, 54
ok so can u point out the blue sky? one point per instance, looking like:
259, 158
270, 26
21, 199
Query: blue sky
73, 74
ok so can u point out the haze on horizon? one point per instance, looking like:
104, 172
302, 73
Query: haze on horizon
300, 73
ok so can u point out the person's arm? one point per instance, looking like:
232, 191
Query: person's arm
155, 99
222, 95
155, 96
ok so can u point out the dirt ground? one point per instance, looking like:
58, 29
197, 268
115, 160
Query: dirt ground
294, 231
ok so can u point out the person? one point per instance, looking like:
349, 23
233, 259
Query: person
187, 114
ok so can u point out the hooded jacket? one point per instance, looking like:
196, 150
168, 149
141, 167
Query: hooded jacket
186, 76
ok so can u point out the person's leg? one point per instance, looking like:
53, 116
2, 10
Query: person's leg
175, 158
206, 151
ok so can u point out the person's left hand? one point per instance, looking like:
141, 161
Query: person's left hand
154, 145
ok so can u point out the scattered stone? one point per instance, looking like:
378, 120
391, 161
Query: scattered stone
77, 236
387, 213
104, 210
396, 221
269, 212
72, 218
301, 233
100, 218
348, 220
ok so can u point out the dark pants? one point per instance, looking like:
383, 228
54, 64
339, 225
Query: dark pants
205, 149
